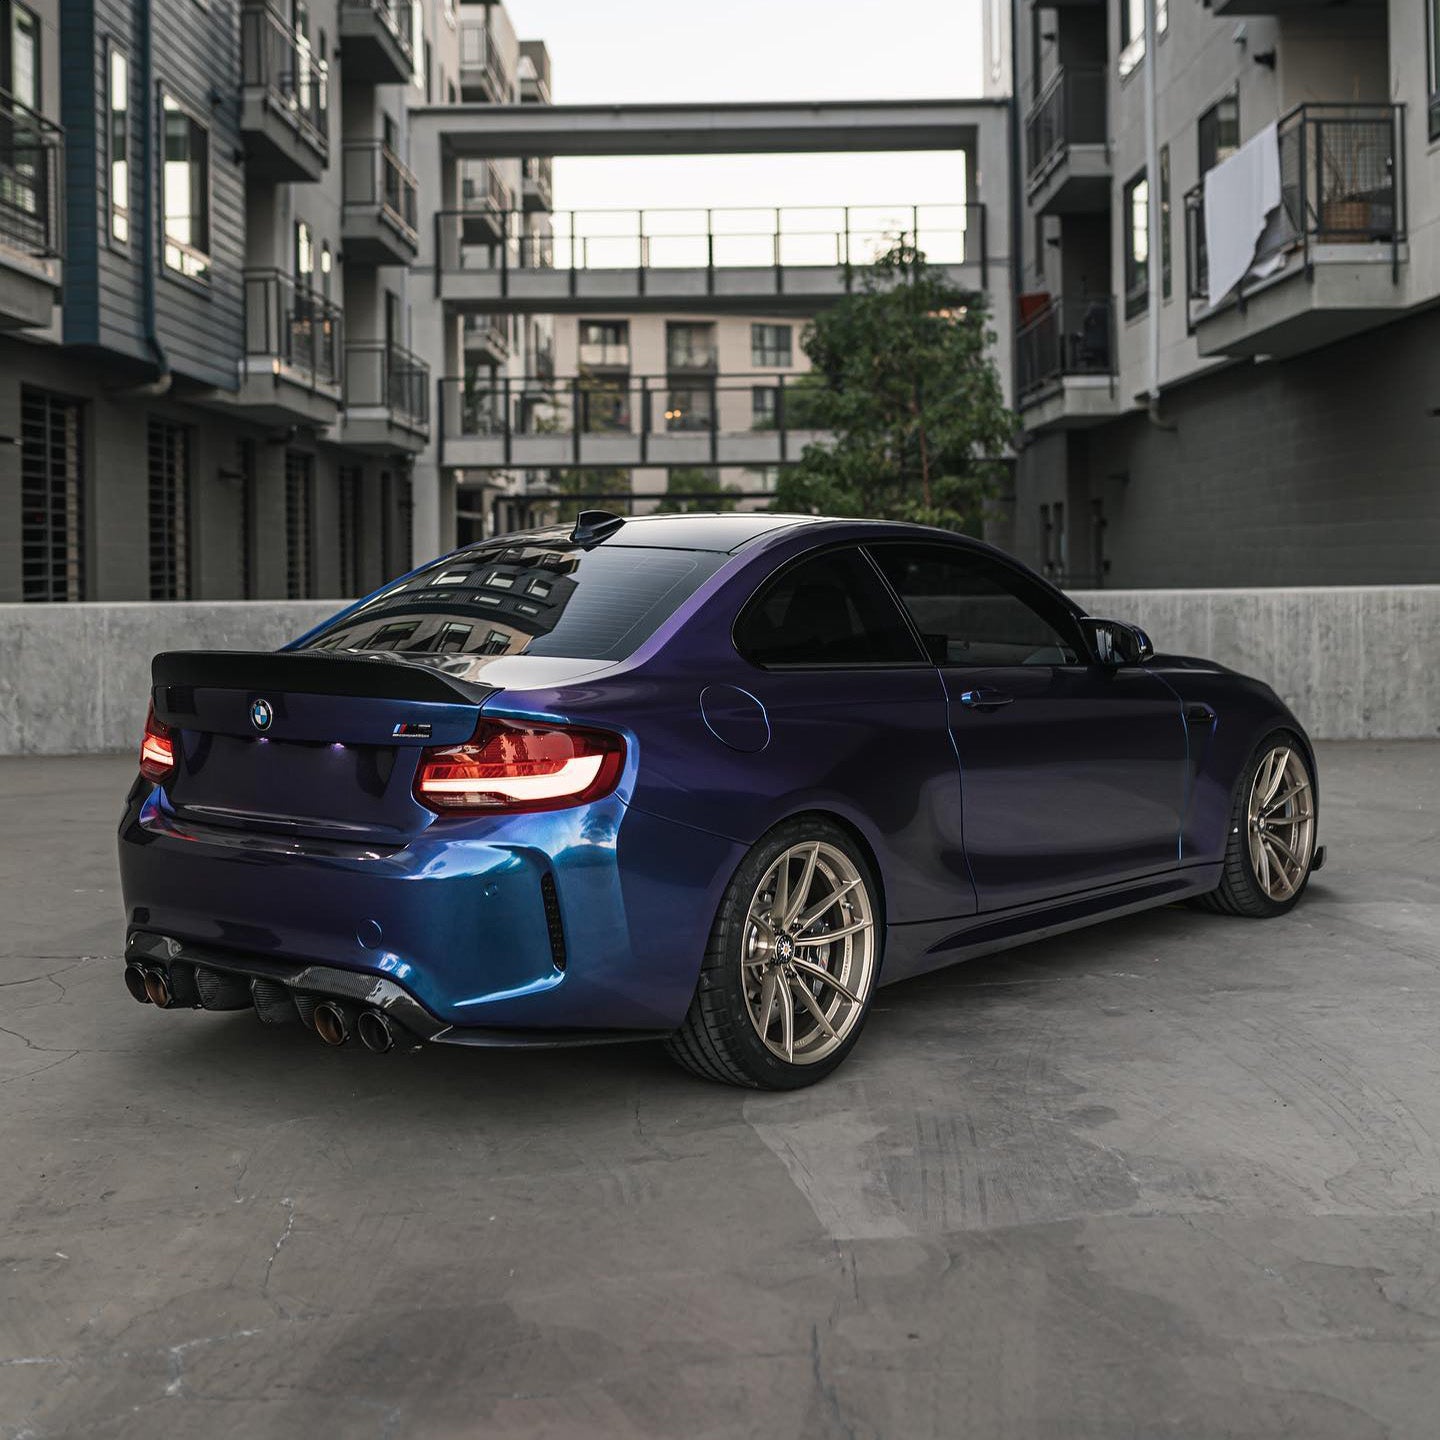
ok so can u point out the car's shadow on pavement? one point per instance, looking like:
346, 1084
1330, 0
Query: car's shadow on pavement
289, 1068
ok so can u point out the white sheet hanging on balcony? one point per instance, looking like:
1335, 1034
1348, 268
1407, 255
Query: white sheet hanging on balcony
1240, 194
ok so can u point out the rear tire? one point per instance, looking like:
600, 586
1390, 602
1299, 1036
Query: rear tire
1270, 845
750, 1022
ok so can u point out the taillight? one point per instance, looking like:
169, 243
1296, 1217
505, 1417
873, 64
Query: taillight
157, 748
507, 767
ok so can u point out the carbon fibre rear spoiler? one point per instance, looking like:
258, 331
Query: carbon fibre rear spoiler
318, 672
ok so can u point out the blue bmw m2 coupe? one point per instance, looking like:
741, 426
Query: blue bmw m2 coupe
709, 779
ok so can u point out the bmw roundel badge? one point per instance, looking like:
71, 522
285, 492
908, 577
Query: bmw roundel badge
261, 714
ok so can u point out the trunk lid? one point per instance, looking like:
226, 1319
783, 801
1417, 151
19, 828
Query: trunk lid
308, 743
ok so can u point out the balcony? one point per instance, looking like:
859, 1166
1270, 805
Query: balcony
284, 101
787, 261
487, 336
1066, 145
377, 41
378, 222
1238, 8
387, 399
32, 172
483, 77
1065, 373
528, 421
486, 202
294, 353
536, 184
534, 73
1329, 263
612, 355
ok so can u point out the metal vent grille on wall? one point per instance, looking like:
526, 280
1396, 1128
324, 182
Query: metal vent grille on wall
169, 485
52, 498
299, 506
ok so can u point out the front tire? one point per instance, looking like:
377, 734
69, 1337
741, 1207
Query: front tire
1270, 848
792, 963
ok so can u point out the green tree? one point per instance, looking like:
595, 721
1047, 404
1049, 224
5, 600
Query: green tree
902, 380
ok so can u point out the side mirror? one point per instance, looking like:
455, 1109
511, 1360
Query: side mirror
1115, 643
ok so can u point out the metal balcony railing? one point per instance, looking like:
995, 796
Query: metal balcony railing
643, 407
32, 169
1070, 336
482, 69
374, 176
487, 332
395, 15
1070, 110
1342, 182
297, 82
848, 236
388, 377
293, 328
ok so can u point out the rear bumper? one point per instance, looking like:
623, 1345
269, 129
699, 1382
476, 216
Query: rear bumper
592, 919
356, 989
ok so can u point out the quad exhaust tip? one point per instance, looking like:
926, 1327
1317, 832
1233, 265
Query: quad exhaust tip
375, 1031
135, 983
332, 1023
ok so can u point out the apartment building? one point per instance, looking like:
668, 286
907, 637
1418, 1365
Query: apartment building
705, 393
209, 381
1248, 399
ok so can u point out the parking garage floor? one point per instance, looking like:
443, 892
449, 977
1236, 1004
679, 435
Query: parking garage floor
1176, 1176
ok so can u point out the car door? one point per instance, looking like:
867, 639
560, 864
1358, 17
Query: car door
858, 721
1072, 773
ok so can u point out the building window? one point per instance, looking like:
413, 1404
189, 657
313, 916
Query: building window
169, 504
1165, 221
118, 106
1132, 31
52, 498
770, 345
20, 72
689, 346
1432, 51
299, 503
1136, 219
764, 407
185, 192
1218, 130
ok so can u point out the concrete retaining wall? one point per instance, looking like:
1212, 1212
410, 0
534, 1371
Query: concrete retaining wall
1352, 662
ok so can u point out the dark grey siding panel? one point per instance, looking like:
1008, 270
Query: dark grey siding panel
196, 56
1322, 470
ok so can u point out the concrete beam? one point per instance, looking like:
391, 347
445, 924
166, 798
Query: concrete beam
469, 131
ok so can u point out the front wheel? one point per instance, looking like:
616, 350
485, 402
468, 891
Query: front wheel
1270, 849
791, 966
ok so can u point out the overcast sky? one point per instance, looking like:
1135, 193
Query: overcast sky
614, 51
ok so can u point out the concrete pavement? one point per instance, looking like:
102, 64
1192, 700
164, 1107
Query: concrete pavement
1176, 1176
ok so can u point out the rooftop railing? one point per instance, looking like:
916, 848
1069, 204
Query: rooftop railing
32, 161
293, 328
848, 236
1070, 336
274, 59
1070, 110
1342, 182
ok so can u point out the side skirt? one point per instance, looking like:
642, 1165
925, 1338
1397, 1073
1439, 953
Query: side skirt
916, 949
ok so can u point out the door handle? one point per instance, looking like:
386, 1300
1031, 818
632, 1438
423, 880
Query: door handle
1198, 713
985, 699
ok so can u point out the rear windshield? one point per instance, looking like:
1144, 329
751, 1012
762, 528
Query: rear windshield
527, 599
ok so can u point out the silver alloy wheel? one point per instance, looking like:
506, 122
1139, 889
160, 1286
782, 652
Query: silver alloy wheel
808, 952
1281, 823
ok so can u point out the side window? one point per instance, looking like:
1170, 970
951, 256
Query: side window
829, 610
970, 610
